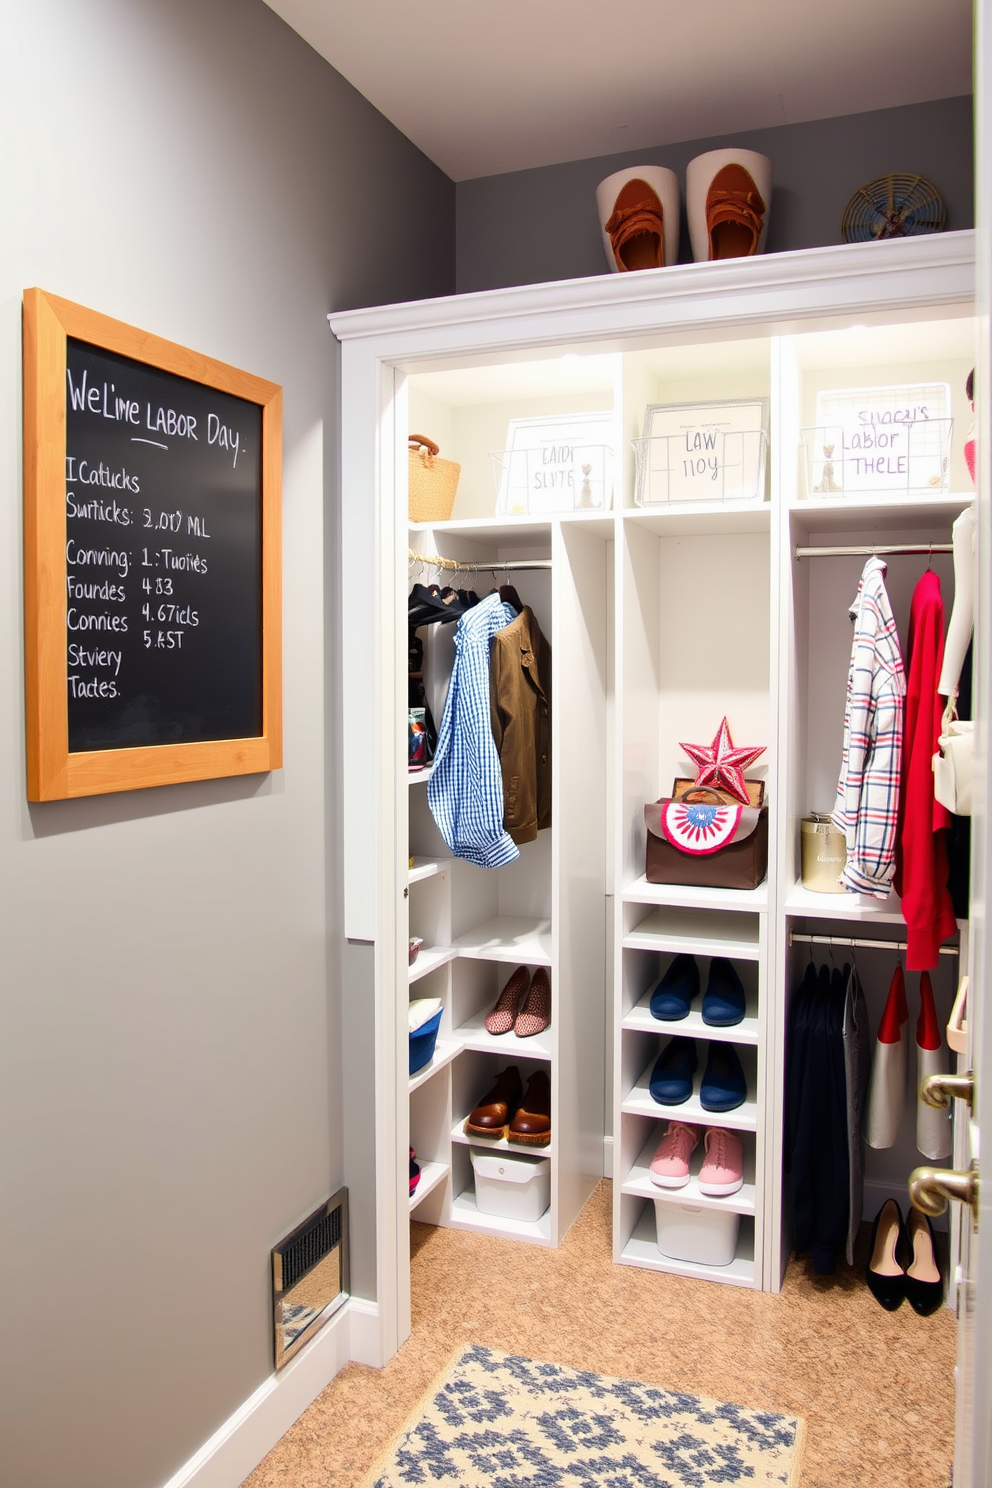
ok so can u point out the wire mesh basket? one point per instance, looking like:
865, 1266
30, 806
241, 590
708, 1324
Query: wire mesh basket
553, 477
729, 465
904, 459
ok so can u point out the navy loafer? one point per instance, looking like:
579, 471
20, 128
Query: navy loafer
672, 993
671, 1078
723, 1000
724, 1087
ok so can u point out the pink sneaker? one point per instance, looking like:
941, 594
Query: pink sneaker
722, 1172
670, 1164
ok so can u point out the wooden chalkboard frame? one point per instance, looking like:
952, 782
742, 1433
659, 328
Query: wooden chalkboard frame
53, 773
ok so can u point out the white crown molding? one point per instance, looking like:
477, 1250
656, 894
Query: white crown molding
249, 1434
793, 285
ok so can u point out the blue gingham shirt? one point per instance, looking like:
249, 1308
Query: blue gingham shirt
465, 791
867, 805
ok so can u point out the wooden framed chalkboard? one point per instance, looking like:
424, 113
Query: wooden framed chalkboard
152, 545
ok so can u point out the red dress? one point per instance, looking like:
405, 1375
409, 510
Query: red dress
921, 845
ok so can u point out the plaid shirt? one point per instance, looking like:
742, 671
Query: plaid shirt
465, 791
867, 805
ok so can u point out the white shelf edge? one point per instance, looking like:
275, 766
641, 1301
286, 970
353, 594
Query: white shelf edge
431, 1174
474, 1035
428, 868
465, 1216
700, 931
858, 908
693, 945
444, 1053
419, 777
639, 1102
640, 1020
507, 938
429, 958
495, 523
822, 278
638, 1184
683, 896
458, 1136
892, 501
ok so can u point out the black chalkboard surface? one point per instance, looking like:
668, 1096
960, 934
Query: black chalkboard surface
163, 556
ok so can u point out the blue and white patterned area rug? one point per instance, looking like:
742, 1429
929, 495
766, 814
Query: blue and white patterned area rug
505, 1422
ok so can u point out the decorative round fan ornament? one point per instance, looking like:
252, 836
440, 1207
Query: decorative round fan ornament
895, 206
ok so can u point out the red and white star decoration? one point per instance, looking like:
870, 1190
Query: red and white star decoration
721, 766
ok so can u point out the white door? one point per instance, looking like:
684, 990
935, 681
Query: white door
973, 1436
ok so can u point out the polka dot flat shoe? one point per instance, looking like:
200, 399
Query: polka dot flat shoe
504, 1014
535, 1010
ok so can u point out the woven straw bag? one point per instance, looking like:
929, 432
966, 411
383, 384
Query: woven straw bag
433, 482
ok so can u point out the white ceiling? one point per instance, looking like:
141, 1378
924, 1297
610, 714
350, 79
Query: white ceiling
483, 89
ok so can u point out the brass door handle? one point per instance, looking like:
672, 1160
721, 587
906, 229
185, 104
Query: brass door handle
930, 1189
940, 1090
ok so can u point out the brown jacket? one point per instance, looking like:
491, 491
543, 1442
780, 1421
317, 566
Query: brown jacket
520, 706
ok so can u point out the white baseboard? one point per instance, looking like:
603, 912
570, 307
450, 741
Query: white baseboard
366, 1339
607, 1157
238, 1446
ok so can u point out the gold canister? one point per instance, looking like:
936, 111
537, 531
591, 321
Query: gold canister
824, 854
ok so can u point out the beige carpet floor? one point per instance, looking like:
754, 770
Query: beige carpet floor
876, 1389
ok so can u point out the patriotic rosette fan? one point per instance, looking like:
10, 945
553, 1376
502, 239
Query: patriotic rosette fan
721, 842
700, 827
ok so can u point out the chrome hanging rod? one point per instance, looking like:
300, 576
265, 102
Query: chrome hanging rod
455, 565
797, 938
876, 550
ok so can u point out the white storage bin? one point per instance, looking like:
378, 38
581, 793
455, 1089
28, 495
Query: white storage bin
687, 1232
511, 1185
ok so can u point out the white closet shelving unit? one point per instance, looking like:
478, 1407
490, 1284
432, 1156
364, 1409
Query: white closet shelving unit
661, 619
547, 908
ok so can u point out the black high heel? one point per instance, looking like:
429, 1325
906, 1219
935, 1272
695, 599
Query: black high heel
888, 1238
924, 1294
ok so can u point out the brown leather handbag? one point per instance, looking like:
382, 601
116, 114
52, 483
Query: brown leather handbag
712, 844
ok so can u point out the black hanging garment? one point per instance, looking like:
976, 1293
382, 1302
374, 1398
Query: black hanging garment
816, 1118
857, 1068
429, 605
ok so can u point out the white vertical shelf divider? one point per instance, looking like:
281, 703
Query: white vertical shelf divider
788, 693
581, 629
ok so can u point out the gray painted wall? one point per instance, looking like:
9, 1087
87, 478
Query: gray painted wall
530, 226
171, 1008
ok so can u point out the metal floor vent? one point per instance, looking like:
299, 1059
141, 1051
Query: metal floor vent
310, 1276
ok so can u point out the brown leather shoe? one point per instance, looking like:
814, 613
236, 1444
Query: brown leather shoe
735, 213
492, 1113
531, 1123
636, 228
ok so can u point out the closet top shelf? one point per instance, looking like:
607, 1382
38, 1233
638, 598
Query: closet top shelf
880, 513
678, 299
870, 514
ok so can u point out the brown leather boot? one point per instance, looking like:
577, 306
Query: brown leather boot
493, 1111
735, 213
531, 1123
636, 228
